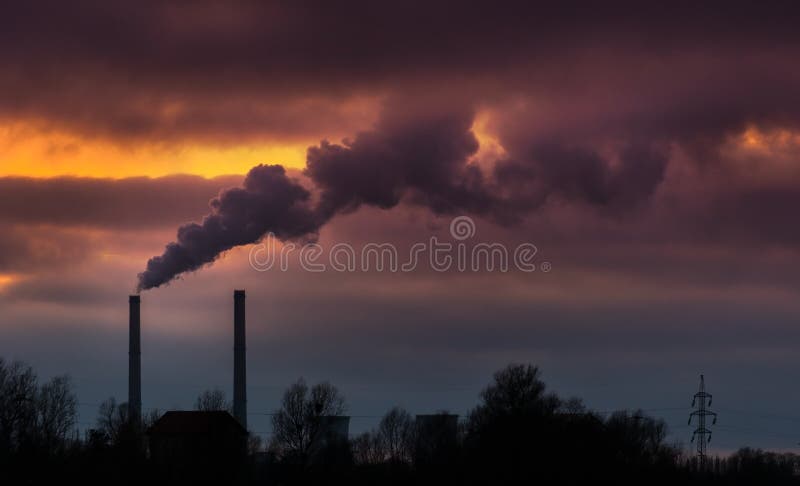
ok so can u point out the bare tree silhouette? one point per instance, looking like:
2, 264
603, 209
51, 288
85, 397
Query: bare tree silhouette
18, 394
113, 419
296, 424
56, 411
212, 400
391, 442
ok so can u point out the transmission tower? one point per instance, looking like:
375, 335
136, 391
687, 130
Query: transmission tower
701, 433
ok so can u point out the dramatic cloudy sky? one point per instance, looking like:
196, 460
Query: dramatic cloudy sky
652, 155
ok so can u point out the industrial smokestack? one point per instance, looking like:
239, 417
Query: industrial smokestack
134, 362
239, 361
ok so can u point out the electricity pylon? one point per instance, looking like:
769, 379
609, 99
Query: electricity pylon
702, 433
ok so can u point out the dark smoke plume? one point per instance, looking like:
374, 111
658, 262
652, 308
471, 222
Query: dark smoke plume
423, 159
269, 201
426, 157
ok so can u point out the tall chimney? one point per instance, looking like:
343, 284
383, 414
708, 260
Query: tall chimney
134, 362
239, 361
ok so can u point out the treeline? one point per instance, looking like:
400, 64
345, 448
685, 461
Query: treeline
518, 433
35, 418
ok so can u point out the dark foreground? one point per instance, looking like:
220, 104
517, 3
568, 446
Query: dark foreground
517, 434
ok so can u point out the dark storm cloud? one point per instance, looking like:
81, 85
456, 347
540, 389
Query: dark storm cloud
227, 70
24, 250
581, 175
292, 40
136, 202
687, 97
750, 216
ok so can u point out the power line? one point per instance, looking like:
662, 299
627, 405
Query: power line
763, 415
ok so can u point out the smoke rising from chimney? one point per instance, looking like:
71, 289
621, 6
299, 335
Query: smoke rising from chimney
422, 158
401, 155
269, 201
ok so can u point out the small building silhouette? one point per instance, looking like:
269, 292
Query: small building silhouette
195, 444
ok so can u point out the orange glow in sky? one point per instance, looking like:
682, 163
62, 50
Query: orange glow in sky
6, 280
28, 152
490, 147
754, 138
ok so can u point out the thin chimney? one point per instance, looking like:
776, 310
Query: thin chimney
134, 361
239, 361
